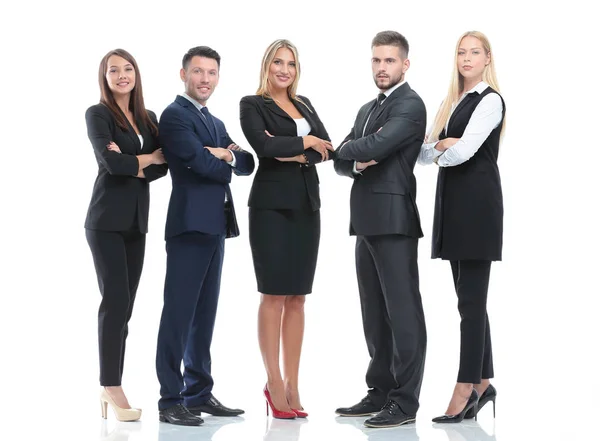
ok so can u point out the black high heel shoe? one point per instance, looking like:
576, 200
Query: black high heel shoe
471, 404
488, 395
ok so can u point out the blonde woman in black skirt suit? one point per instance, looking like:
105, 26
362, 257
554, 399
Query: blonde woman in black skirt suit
289, 139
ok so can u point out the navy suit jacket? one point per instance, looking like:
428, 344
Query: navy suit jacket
200, 181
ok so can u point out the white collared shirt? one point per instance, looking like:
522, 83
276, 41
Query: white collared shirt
485, 118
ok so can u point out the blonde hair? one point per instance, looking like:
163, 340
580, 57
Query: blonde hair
263, 88
457, 85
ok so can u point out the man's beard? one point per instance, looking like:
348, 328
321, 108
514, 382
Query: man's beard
392, 82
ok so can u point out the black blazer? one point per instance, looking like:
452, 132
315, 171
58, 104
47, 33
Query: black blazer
281, 185
120, 200
469, 210
383, 197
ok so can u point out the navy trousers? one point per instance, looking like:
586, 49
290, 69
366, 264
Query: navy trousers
192, 284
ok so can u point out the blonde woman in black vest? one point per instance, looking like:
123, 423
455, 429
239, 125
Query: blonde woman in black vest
467, 230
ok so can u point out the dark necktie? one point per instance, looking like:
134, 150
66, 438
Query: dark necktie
380, 99
211, 123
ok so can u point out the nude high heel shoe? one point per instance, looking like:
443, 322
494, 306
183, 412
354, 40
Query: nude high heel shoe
120, 413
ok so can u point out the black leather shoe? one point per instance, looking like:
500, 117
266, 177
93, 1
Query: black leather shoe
180, 415
215, 408
471, 404
488, 395
390, 415
364, 408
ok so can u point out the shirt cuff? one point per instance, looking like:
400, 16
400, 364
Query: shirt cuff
233, 161
355, 170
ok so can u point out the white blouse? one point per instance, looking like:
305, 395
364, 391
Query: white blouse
485, 118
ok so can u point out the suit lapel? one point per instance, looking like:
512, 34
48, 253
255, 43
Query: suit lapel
273, 107
396, 94
184, 102
364, 117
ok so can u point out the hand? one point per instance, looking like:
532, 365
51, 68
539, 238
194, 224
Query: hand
318, 144
445, 144
234, 147
220, 153
363, 165
158, 157
113, 147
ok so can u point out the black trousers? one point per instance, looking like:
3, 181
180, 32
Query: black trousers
393, 319
471, 280
118, 258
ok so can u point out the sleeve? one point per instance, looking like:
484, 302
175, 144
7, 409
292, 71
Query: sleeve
99, 133
264, 145
485, 118
177, 138
155, 171
345, 167
400, 130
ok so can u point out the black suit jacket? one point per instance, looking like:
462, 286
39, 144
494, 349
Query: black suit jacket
281, 185
120, 200
383, 198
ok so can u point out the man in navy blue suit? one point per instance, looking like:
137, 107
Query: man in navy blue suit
201, 215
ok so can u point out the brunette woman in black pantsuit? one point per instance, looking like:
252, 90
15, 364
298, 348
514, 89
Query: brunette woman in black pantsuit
289, 139
124, 137
464, 142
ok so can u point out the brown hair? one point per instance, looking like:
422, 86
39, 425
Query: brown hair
392, 38
136, 100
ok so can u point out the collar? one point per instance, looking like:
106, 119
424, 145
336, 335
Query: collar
192, 100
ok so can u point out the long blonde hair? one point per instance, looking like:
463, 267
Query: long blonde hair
457, 85
263, 88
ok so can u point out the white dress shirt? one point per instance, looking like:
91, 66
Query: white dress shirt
485, 118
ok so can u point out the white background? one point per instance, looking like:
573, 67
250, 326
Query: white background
543, 298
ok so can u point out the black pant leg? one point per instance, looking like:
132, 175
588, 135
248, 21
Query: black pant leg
472, 287
395, 257
135, 247
376, 325
110, 260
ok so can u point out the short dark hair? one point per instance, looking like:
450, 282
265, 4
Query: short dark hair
392, 38
200, 51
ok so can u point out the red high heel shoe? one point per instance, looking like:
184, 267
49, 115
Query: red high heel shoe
300, 413
277, 413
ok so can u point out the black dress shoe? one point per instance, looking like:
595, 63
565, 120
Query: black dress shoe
488, 395
390, 415
471, 404
215, 408
180, 415
364, 408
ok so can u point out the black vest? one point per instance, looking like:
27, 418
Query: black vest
468, 215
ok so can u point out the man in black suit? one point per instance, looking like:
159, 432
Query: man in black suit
380, 154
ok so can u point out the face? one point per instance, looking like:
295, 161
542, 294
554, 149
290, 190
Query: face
472, 58
201, 78
120, 75
388, 66
282, 71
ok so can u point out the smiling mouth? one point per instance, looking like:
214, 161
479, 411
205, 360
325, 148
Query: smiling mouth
123, 84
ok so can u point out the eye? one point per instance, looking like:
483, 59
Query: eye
277, 62
293, 64
476, 52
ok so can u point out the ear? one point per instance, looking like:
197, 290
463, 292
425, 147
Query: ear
182, 74
406, 65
